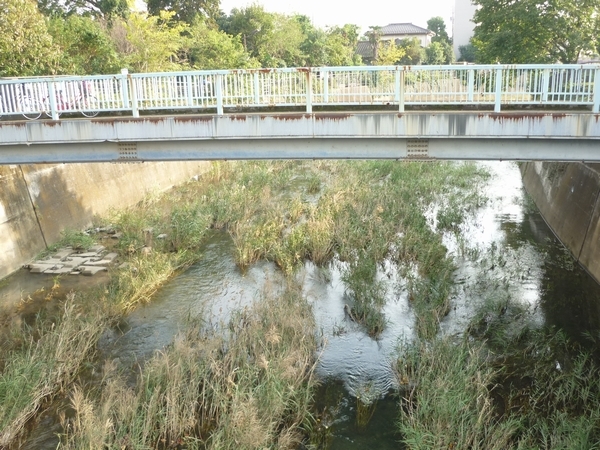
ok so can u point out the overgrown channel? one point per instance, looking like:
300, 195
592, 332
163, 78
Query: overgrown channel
313, 305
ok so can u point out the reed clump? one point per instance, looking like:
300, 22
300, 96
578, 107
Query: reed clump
45, 365
247, 385
506, 383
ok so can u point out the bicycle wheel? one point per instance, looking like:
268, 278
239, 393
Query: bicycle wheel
90, 105
31, 108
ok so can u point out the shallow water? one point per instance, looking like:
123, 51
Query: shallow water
506, 250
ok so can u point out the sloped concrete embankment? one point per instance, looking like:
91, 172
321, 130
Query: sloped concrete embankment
37, 202
567, 195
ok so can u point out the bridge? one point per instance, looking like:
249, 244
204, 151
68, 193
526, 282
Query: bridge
496, 112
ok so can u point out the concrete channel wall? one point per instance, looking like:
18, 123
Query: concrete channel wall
567, 195
38, 202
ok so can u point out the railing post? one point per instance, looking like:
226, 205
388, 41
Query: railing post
471, 85
52, 100
220, 94
400, 89
498, 91
135, 110
545, 85
325, 75
256, 89
308, 91
189, 90
596, 106
124, 88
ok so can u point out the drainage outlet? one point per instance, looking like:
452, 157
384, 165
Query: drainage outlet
417, 149
128, 151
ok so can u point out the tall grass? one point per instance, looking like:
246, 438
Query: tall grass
45, 366
248, 385
446, 401
514, 386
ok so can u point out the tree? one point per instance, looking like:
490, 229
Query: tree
252, 24
413, 52
438, 26
85, 46
282, 47
434, 54
96, 8
374, 36
535, 31
388, 54
341, 45
209, 48
26, 47
150, 43
467, 53
186, 10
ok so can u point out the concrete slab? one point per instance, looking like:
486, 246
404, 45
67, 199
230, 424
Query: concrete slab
97, 248
58, 271
92, 270
89, 254
62, 253
74, 261
38, 267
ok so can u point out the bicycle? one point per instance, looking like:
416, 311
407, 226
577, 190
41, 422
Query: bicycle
23, 102
84, 102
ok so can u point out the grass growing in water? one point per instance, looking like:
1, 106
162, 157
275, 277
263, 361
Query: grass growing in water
45, 366
247, 386
515, 387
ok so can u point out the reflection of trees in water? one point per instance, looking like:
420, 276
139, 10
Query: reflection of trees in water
569, 296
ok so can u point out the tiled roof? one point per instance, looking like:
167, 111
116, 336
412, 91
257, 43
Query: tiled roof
364, 49
403, 28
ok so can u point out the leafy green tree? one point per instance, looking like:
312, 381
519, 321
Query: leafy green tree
467, 52
97, 8
253, 25
85, 46
438, 26
341, 45
186, 10
26, 47
434, 54
150, 43
413, 52
535, 31
282, 47
388, 54
208, 48
374, 37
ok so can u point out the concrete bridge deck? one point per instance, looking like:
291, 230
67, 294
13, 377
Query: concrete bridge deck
415, 135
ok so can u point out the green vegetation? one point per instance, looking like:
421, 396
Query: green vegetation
505, 383
529, 31
86, 37
355, 214
248, 385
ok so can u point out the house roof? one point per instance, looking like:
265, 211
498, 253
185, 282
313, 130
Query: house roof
404, 28
364, 49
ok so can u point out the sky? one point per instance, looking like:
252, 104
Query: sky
359, 12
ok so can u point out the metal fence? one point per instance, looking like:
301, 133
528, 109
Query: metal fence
220, 90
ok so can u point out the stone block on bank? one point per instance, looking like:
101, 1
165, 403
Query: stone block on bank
92, 270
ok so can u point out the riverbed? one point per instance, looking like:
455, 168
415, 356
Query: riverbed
504, 247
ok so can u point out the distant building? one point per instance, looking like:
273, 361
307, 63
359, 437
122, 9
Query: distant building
395, 32
462, 25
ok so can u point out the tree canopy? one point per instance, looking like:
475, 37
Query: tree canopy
535, 31
26, 46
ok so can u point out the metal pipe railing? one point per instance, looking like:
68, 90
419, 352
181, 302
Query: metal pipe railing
218, 90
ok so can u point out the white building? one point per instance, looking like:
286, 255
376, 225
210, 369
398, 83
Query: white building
462, 26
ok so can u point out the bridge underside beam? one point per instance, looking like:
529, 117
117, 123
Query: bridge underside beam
307, 148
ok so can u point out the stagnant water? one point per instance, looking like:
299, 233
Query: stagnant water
505, 247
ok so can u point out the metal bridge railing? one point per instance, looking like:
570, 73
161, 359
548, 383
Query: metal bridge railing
495, 85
